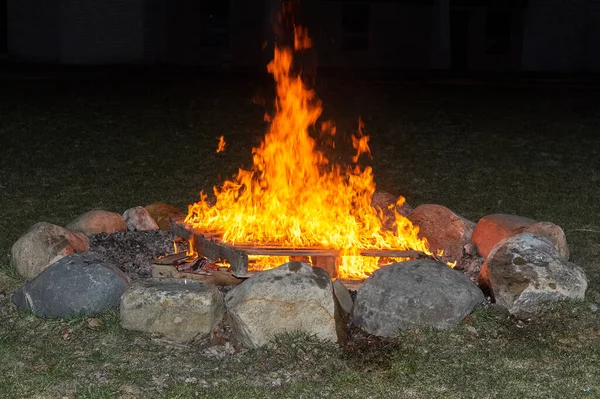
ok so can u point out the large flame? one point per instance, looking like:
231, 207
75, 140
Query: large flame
293, 196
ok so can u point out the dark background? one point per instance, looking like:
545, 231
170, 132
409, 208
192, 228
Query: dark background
447, 37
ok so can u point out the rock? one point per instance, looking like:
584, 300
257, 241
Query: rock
525, 270
443, 229
76, 285
292, 297
94, 222
343, 296
554, 233
492, 229
139, 219
179, 310
43, 244
416, 293
163, 213
388, 203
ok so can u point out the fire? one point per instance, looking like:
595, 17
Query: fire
221, 145
294, 196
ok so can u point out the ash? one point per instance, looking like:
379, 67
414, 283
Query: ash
133, 251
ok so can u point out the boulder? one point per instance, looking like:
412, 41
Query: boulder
180, 310
292, 297
388, 203
43, 244
411, 294
554, 233
163, 213
443, 229
139, 219
492, 229
76, 285
525, 270
94, 222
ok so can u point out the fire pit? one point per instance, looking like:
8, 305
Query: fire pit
294, 204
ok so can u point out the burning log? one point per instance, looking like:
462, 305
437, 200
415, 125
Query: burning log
211, 246
182, 266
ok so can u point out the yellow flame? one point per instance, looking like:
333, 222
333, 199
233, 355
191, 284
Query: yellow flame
191, 251
293, 196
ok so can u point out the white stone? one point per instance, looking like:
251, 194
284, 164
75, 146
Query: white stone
44, 244
292, 297
139, 219
180, 311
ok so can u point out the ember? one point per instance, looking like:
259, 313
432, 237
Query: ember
294, 197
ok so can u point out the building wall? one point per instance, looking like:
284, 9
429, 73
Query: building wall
101, 32
155, 25
554, 35
184, 33
593, 37
249, 19
32, 31
479, 59
399, 36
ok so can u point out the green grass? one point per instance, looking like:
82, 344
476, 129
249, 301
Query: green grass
476, 150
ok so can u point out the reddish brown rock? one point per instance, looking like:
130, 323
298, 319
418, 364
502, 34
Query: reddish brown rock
443, 229
44, 244
492, 229
163, 213
94, 222
388, 203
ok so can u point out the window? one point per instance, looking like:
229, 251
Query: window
214, 23
355, 27
497, 31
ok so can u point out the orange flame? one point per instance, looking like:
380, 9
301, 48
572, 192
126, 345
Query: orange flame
360, 142
293, 196
221, 145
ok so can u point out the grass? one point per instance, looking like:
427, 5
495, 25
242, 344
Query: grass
68, 147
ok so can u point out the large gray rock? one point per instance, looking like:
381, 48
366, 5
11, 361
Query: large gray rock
179, 310
411, 294
98, 221
292, 297
492, 229
443, 229
524, 271
76, 285
43, 244
139, 219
